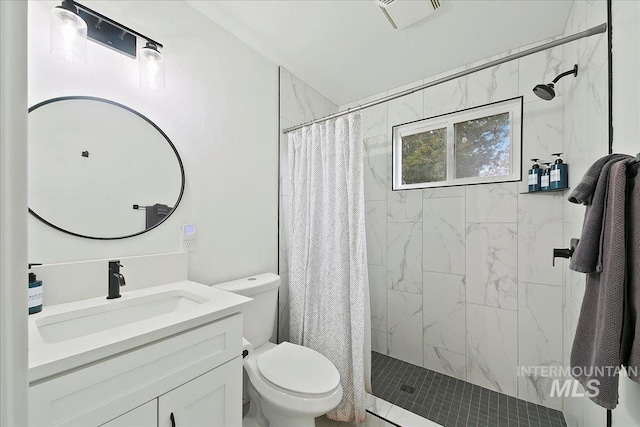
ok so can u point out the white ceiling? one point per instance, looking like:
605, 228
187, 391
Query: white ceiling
346, 49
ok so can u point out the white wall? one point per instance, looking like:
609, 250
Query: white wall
13, 224
220, 111
626, 123
626, 69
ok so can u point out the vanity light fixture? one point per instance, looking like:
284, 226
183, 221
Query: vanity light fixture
151, 67
72, 23
68, 33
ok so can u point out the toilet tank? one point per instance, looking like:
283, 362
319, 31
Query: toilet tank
259, 320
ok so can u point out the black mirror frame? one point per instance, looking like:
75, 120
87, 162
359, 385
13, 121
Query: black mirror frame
173, 147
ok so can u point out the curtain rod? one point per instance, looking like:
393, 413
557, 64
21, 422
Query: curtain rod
587, 33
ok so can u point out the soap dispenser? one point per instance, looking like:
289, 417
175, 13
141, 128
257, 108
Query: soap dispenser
546, 177
558, 174
35, 292
534, 176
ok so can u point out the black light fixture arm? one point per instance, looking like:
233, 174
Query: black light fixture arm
574, 71
67, 3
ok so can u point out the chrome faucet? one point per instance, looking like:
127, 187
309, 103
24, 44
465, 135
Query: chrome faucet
116, 279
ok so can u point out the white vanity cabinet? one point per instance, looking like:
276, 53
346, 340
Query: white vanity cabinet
143, 416
209, 400
196, 375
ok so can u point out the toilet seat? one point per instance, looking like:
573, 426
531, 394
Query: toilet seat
299, 370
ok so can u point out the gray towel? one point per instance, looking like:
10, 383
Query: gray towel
156, 214
587, 186
631, 329
587, 257
596, 352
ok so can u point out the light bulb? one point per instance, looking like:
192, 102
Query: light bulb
151, 68
68, 36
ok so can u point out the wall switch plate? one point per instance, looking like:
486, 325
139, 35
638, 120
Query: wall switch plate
188, 237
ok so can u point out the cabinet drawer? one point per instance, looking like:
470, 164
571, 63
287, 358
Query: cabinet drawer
143, 416
95, 394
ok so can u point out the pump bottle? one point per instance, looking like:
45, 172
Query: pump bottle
558, 174
533, 176
546, 177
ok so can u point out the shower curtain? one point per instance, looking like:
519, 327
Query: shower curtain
328, 282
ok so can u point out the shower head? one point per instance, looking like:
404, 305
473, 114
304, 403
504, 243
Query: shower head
547, 91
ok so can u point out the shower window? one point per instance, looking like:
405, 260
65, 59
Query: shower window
424, 156
478, 145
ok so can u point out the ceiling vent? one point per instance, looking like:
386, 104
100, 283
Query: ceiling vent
402, 13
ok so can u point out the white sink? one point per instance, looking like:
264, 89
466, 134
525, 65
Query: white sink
77, 323
66, 336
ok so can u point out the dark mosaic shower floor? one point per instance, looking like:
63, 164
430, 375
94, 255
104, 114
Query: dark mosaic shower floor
451, 402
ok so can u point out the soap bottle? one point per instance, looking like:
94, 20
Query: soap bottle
558, 174
534, 176
545, 178
35, 292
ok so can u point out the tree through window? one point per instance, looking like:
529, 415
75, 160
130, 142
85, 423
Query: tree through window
481, 144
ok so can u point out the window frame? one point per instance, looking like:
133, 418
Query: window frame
513, 106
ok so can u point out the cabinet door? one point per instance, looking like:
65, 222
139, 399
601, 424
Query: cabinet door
142, 416
213, 399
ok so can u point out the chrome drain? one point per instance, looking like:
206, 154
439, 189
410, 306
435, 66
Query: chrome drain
407, 388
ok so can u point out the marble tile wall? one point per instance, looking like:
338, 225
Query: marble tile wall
585, 140
467, 270
300, 103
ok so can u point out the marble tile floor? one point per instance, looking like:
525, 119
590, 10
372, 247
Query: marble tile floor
451, 402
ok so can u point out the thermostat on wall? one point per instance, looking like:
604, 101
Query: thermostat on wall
188, 237
189, 231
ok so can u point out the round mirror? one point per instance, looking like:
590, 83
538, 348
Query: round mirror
100, 170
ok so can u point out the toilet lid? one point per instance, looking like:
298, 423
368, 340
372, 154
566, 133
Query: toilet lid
298, 369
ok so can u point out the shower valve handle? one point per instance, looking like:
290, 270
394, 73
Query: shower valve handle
565, 253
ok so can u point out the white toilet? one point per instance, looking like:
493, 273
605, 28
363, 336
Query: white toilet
289, 385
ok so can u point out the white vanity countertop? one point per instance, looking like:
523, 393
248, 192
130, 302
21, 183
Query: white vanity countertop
51, 358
